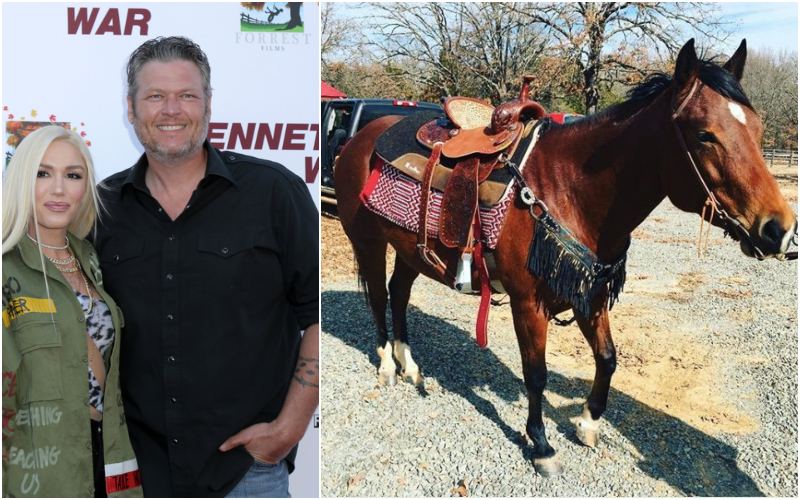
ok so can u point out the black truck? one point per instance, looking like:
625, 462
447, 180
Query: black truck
342, 118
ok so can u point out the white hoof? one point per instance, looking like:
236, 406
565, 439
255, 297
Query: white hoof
387, 370
588, 429
409, 369
412, 378
388, 379
547, 467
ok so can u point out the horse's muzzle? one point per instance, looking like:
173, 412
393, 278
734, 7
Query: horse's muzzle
772, 240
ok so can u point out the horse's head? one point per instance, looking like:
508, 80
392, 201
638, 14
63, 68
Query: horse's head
720, 134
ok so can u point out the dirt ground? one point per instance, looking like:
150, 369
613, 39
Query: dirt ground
690, 393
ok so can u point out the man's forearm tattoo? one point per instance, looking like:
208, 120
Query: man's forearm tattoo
306, 367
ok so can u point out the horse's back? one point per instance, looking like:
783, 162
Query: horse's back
352, 168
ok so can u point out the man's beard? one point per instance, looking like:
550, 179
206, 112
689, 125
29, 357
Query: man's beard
159, 153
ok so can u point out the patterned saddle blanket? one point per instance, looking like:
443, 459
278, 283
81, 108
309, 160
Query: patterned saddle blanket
394, 188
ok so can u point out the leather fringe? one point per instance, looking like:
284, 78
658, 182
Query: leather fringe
571, 270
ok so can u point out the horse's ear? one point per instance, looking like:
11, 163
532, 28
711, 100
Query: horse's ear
736, 63
687, 66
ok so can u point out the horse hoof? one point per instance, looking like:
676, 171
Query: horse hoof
412, 378
388, 379
547, 466
588, 437
588, 431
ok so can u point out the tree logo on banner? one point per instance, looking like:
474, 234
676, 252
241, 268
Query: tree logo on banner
18, 128
272, 17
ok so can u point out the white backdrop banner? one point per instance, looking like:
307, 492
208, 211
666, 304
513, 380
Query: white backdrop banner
65, 63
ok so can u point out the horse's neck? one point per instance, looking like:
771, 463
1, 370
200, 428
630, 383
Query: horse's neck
601, 179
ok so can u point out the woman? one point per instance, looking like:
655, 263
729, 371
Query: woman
64, 431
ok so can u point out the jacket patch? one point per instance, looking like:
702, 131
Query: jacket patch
25, 305
122, 476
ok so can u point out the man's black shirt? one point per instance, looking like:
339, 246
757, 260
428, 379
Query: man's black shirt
214, 302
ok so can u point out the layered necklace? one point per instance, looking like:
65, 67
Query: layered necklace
69, 266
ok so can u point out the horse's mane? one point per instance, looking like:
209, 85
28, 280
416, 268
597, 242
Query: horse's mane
715, 77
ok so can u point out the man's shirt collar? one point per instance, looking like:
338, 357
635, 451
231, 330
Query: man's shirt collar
214, 166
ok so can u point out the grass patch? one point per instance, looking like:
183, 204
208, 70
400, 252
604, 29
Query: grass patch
269, 27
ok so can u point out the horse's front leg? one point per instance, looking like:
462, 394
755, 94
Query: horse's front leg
598, 333
530, 324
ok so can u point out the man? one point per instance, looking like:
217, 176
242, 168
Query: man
213, 259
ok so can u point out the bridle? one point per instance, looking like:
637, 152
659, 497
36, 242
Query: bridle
732, 225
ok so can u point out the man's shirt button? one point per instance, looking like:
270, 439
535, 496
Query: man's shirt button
116, 257
88, 446
169, 317
171, 237
175, 441
174, 400
225, 250
85, 359
86, 402
171, 359
169, 276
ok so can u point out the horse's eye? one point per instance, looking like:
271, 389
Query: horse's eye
708, 137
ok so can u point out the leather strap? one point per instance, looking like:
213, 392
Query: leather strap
427, 255
733, 224
459, 204
481, 327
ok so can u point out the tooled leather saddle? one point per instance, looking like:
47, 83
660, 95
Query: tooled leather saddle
456, 154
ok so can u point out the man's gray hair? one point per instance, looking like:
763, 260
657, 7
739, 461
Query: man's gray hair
167, 49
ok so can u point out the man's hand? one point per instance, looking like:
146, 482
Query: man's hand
265, 442
271, 442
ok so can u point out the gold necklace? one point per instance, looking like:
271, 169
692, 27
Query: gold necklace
78, 267
88, 290
64, 262
91, 357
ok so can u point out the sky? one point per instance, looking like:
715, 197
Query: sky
764, 24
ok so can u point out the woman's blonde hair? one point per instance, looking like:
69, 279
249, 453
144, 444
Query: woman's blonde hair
19, 185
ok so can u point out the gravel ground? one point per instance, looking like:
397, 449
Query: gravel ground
704, 401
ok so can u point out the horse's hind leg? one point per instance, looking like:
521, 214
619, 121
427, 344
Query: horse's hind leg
400, 285
598, 333
371, 258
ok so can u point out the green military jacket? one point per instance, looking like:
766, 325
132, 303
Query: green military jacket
47, 442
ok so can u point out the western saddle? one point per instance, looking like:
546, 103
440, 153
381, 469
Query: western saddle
479, 139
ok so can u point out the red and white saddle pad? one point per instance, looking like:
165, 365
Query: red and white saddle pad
396, 197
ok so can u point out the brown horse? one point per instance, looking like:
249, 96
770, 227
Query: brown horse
692, 136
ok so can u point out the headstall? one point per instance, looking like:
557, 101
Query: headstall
732, 225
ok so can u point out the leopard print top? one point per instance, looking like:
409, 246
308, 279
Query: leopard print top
101, 329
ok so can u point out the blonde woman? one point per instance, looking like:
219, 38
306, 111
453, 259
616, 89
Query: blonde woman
64, 431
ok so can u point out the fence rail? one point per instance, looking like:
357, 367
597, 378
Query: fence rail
253, 20
780, 156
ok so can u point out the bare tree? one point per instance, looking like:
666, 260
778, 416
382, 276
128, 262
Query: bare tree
371, 79
614, 42
339, 34
462, 48
770, 81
